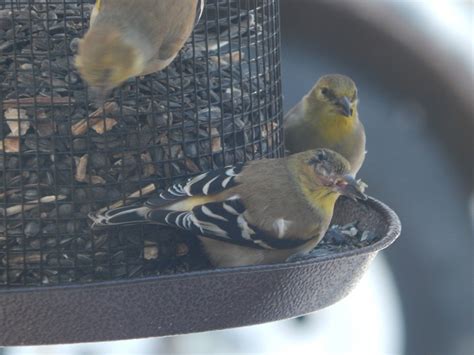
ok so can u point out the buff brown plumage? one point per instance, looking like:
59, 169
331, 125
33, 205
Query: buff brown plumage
254, 213
129, 38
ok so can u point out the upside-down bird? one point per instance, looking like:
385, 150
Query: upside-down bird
129, 38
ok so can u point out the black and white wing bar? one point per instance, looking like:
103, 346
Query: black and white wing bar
224, 221
209, 183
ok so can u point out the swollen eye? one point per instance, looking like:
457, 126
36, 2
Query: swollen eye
323, 170
341, 183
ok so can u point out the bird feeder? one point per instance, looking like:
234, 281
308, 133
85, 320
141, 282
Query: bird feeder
62, 156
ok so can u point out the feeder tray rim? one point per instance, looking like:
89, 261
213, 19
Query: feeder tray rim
393, 231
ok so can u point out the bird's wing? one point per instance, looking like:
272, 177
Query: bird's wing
295, 114
224, 221
205, 184
95, 11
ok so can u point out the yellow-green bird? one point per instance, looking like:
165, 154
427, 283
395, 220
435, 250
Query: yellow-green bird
129, 38
327, 117
254, 213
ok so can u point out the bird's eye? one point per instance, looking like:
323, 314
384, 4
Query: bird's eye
340, 182
323, 169
325, 91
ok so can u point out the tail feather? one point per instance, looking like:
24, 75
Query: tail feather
119, 216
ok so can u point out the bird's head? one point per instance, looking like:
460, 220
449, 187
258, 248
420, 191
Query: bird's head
335, 95
332, 171
105, 60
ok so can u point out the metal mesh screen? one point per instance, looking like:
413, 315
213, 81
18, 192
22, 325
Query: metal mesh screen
61, 156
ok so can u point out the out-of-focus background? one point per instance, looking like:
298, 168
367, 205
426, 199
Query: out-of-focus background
413, 62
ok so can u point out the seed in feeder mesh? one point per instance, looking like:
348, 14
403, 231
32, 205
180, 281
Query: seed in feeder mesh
269, 128
80, 127
74, 45
156, 115
216, 140
148, 166
10, 145
96, 180
32, 229
191, 166
28, 258
26, 66
182, 249
10, 211
43, 125
137, 194
228, 58
104, 125
65, 210
81, 168
150, 250
99, 160
38, 100
5, 19
17, 120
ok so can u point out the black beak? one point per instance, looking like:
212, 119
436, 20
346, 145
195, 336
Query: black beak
345, 106
349, 187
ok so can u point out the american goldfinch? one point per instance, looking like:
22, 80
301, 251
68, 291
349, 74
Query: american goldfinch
129, 38
254, 213
327, 118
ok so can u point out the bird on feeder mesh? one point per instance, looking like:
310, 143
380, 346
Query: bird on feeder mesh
327, 117
258, 212
129, 38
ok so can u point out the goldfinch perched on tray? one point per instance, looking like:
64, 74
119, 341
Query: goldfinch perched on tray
129, 38
327, 117
257, 212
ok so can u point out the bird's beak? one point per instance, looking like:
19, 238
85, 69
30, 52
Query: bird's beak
349, 187
344, 104
99, 94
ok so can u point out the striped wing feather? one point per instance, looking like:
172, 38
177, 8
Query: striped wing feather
221, 220
209, 183
224, 221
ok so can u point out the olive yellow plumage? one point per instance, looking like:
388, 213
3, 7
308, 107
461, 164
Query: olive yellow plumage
129, 38
254, 213
327, 117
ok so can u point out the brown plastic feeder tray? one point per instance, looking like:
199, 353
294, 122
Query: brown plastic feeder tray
195, 301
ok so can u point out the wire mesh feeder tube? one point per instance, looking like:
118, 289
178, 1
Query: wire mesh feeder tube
61, 156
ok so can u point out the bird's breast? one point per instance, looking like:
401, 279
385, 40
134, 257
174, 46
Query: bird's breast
335, 129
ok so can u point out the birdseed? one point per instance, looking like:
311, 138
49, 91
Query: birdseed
62, 156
